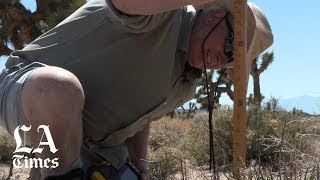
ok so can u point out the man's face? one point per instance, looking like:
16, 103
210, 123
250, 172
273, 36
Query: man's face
213, 50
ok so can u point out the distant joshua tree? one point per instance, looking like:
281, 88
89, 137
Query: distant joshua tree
19, 26
256, 70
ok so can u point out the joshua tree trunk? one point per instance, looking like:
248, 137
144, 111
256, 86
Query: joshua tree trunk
266, 60
256, 89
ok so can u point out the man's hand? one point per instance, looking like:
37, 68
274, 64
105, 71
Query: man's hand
137, 148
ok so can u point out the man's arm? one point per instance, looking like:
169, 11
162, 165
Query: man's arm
138, 147
149, 7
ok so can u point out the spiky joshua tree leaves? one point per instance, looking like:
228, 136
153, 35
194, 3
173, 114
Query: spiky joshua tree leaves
258, 66
224, 86
19, 26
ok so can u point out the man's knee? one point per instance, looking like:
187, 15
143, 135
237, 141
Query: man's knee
52, 91
54, 96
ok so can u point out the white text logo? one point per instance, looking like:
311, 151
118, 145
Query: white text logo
19, 153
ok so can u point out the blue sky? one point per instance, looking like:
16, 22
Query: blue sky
296, 66
296, 30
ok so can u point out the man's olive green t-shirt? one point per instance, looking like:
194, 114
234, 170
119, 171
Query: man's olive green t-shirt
131, 67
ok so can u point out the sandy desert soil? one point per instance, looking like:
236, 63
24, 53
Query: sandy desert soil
18, 174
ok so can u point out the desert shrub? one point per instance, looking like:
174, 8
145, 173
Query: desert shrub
197, 139
272, 133
7, 146
281, 139
279, 142
196, 145
164, 162
168, 132
164, 153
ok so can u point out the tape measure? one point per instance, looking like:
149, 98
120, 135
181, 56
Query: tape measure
240, 85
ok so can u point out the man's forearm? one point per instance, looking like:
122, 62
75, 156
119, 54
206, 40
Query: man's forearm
148, 7
138, 147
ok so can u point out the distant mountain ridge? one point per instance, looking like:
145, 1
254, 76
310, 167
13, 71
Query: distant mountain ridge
306, 103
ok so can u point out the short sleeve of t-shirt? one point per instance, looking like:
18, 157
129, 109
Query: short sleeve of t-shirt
140, 23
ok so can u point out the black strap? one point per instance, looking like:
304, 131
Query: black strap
212, 163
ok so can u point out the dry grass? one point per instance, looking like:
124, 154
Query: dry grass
279, 143
165, 151
7, 146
